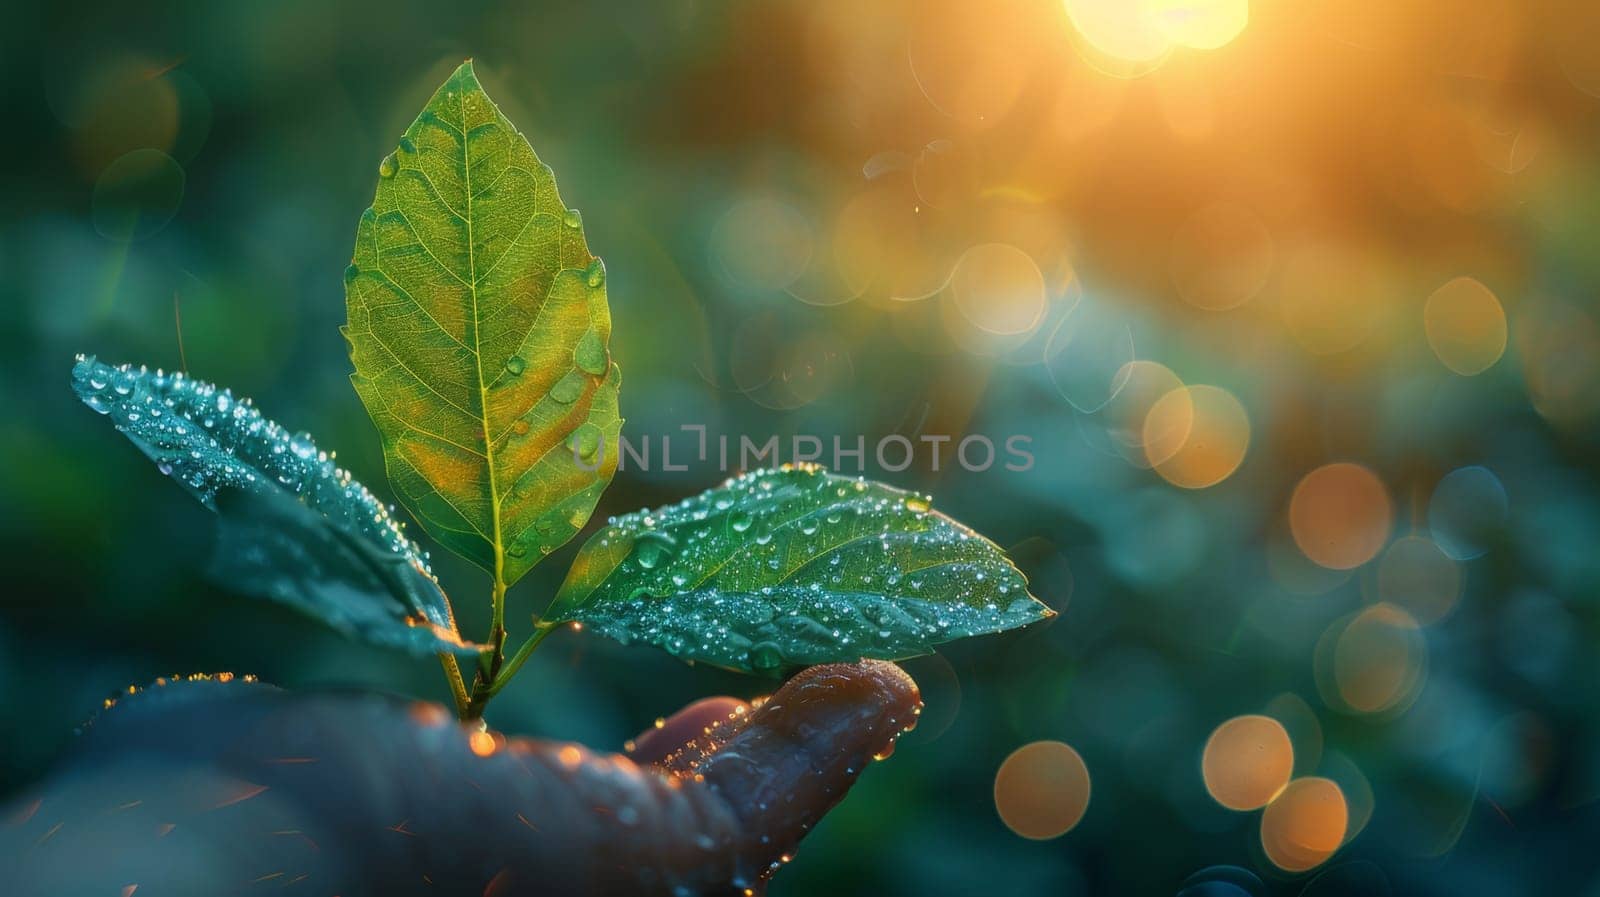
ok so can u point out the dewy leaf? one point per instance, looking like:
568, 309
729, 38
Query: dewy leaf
478, 327
794, 566
294, 527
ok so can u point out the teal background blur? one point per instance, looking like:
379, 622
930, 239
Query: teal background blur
785, 194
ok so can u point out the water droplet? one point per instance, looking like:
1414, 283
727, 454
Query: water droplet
740, 521
586, 441
764, 656
653, 549
388, 166
567, 389
572, 219
917, 504
596, 274
406, 146
590, 353
515, 365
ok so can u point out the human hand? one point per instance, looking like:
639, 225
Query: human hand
213, 788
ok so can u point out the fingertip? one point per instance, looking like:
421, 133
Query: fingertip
803, 748
685, 732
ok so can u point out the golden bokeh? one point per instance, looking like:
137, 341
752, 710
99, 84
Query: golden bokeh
1215, 436
1042, 790
1340, 515
1333, 296
883, 250
1200, 24
998, 289
1221, 257
1123, 31
1247, 761
1559, 345
1416, 574
1376, 662
1143, 384
1466, 326
1305, 825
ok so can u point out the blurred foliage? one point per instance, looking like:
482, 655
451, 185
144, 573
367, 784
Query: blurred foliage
1286, 462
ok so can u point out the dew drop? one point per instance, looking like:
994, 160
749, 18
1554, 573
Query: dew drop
388, 166
567, 389
572, 219
653, 549
764, 656
590, 353
740, 521
515, 365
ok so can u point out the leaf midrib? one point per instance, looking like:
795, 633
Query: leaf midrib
471, 281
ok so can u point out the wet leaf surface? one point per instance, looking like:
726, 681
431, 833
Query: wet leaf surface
782, 568
295, 528
478, 326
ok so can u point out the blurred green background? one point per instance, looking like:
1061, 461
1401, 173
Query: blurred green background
1196, 252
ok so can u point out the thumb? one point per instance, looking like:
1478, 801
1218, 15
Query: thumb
785, 762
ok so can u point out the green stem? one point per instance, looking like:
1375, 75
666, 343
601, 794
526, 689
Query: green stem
541, 630
458, 686
490, 661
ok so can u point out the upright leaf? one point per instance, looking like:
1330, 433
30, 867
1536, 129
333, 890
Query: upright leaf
795, 566
294, 528
478, 327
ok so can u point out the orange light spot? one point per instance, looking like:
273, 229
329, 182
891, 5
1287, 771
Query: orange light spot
482, 743
1305, 824
1196, 436
1247, 761
1221, 257
1378, 659
1466, 326
1042, 790
1340, 515
570, 756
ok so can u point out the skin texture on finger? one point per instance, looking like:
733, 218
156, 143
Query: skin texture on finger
669, 736
207, 788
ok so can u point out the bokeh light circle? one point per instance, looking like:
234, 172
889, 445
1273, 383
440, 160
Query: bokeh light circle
1200, 24
883, 247
998, 289
1417, 575
1305, 825
1332, 296
762, 243
1247, 761
1042, 790
1213, 443
1467, 512
1221, 257
1088, 353
1372, 662
1559, 346
1123, 30
1340, 515
1143, 384
1465, 326
137, 194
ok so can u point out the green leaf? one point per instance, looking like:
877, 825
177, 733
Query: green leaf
478, 326
294, 527
794, 566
